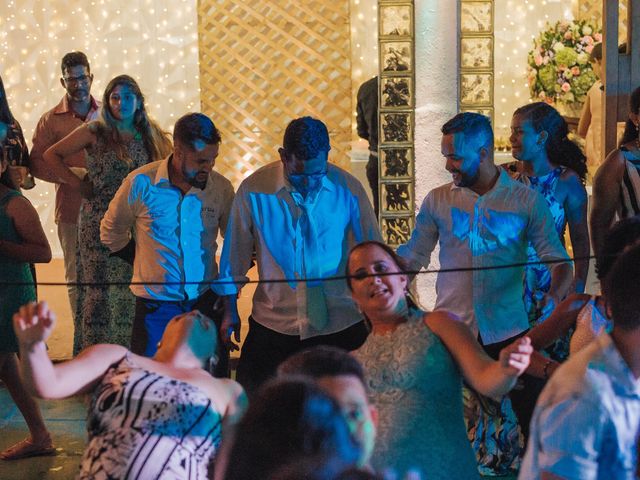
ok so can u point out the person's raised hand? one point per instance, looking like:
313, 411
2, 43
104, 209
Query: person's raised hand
33, 323
515, 358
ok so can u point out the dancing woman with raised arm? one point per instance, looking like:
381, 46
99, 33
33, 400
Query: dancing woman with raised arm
148, 418
415, 363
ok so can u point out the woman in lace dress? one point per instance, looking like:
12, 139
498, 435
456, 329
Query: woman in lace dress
155, 418
124, 139
415, 363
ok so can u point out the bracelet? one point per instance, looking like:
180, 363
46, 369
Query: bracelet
545, 369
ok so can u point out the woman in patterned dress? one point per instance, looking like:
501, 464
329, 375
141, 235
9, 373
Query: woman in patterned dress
155, 418
616, 186
415, 363
123, 139
554, 166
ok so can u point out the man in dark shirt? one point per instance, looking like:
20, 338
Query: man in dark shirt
367, 120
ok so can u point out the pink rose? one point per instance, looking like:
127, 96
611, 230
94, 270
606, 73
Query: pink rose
538, 60
588, 39
575, 71
588, 48
568, 35
565, 87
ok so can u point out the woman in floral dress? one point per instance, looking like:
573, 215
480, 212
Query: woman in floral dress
123, 139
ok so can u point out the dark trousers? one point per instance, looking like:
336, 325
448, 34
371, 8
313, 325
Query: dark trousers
152, 317
264, 349
525, 395
372, 177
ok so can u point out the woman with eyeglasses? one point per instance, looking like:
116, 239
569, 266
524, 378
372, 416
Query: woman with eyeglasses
123, 139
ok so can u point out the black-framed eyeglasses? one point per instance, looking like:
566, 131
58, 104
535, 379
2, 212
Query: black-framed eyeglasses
309, 176
76, 80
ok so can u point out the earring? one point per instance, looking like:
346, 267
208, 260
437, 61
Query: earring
158, 345
213, 362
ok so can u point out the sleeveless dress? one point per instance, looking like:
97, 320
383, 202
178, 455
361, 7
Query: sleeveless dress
105, 313
12, 297
629, 204
417, 387
144, 425
589, 325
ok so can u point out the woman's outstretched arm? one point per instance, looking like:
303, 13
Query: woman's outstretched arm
33, 324
489, 377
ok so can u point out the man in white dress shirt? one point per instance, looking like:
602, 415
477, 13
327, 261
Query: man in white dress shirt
300, 216
485, 219
167, 215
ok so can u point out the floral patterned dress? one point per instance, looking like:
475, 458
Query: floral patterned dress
105, 313
493, 427
144, 425
417, 387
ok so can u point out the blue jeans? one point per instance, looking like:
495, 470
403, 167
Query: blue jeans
152, 316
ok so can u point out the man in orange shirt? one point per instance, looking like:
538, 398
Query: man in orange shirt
75, 108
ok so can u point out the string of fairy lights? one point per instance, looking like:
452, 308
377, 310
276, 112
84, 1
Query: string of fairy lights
154, 41
517, 23
364, 46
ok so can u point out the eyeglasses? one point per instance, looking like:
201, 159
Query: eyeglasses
308, 176
76, 80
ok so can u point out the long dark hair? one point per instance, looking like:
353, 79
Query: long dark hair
6, 117
5, 112
156, 141
630, 130
560, 150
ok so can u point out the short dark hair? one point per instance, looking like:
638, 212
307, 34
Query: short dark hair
73, 59
306, 137
622, 290
322, 361
622, 235
289, 419
193, 127
473, 125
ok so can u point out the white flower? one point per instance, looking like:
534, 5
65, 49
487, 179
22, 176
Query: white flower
587, 30
558, 46
583, 58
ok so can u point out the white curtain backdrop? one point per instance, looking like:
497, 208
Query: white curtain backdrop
154, 41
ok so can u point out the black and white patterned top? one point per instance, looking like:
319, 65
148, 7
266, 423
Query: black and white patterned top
143, 425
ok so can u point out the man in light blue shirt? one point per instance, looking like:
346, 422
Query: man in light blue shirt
484, 220
169, 213
587, 419
300, 216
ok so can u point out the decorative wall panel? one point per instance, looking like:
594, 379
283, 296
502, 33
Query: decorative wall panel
263, 64
396, 123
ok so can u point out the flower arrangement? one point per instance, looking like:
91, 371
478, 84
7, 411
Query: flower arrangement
559, 71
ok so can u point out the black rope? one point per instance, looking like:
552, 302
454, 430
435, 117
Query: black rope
293, 280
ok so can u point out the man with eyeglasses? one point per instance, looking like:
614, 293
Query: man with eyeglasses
300, 216
75, 108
